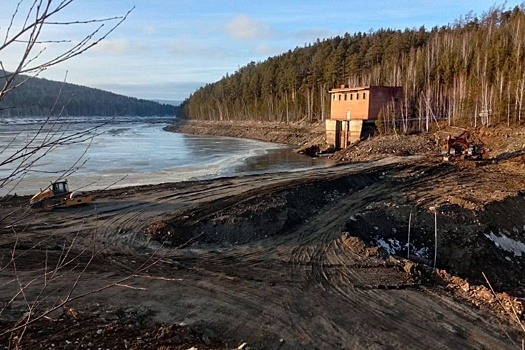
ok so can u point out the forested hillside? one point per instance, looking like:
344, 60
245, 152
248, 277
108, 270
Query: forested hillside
38, 97
470, 72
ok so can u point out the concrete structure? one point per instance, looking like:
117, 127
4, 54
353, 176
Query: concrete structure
340, 133
353, 109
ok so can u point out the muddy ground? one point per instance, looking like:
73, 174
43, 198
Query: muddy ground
304, 260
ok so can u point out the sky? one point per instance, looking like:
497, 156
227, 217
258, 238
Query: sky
166, 49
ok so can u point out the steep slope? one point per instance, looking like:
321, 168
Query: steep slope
468, 72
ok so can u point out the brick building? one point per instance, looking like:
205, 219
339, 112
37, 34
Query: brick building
353, 109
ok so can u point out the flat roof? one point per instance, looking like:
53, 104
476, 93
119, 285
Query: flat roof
359, 88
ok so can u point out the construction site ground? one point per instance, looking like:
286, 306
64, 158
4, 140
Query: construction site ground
300, 260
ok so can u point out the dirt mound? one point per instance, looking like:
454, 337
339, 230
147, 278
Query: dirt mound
389, 145
469, 242
501, 303
479, 212
357, 246
505, 306
500, 142
254, 217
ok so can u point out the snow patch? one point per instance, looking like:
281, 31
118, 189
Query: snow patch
392, 246
422, 253
507, 244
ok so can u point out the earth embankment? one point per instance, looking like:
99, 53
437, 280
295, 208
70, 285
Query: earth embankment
279, 261
313, 259
294, 134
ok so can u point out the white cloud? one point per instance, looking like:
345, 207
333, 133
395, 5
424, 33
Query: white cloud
114, 46
244, 27
188, 48
149, 30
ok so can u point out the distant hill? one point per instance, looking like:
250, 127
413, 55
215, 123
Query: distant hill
39, 97
169, 102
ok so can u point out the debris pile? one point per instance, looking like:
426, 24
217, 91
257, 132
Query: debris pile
379, 147
482, 296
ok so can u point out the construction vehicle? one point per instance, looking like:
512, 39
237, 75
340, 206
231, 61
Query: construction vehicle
57, 195
460, 148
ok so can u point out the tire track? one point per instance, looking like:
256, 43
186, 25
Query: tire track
304, 286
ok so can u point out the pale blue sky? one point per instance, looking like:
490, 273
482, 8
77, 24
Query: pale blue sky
166, 49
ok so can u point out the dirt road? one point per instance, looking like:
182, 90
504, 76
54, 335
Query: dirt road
270, 260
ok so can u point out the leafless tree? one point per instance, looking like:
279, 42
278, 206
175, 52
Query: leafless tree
24, 36
46, 293
25, 31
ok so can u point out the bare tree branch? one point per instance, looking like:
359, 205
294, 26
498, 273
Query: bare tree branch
36, 19
38, 293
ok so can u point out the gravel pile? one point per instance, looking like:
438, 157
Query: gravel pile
381, 146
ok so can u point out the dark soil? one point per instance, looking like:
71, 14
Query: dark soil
313, 259
113, 329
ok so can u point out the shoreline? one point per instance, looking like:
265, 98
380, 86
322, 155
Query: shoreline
293, 134
152, 170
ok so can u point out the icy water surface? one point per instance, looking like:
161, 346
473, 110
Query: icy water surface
133, 151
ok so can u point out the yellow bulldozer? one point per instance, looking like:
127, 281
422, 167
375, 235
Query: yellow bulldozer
57, 195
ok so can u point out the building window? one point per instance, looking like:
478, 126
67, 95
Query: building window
339, 97
351, 97
357, 96
364, 95
333, 97
345, 97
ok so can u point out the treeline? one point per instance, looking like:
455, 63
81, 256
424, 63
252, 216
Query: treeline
469, 72
42, 97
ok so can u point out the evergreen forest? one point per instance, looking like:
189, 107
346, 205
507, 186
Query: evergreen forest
470, 72
42, 97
